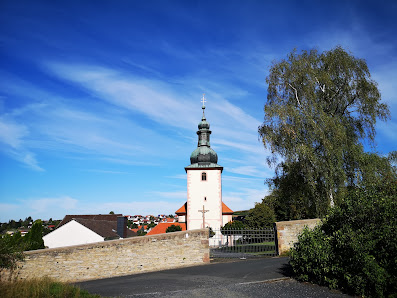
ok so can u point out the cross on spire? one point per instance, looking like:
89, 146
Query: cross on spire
203, 100
203, 211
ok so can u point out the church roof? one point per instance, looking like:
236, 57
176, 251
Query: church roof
162, 227
182, 210
225, 210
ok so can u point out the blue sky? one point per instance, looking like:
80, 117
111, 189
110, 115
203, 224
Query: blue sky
100, 100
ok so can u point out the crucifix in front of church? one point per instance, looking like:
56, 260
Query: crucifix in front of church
203, 211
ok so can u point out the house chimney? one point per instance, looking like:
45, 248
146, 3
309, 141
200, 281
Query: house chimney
122, 226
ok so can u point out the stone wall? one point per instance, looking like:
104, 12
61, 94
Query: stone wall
116, 257
288, 231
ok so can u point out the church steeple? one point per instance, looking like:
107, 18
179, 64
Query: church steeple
204, 155
204, 206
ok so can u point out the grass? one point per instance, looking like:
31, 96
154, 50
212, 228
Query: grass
262, 248
41, 288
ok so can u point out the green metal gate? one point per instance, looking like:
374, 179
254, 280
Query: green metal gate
242, 243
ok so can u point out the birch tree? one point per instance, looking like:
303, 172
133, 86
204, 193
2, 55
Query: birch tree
320, 109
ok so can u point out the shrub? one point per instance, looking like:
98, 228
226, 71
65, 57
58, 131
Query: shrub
34, 238
233, 227
173, 228
260, 216
11, 251
355, 248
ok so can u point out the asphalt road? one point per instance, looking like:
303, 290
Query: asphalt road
249, 278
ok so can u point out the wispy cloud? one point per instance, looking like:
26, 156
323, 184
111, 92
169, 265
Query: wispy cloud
170, 194
247, 171
45, 204
13, 140
151, 97
163, 103
104, 171
245, 198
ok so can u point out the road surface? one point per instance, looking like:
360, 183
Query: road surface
267, 277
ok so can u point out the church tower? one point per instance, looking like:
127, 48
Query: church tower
204, 206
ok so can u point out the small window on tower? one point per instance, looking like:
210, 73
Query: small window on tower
205, 198
204, 176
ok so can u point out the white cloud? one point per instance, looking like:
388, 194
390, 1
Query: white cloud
247, 171
245, 198
43, 205
150, 97
170, 194
134, 207
13, 139
11, 133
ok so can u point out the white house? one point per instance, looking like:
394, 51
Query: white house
83, 229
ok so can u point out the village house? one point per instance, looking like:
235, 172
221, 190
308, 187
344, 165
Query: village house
83, 229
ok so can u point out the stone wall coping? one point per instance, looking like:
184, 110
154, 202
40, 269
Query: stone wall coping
297, 222
137, 239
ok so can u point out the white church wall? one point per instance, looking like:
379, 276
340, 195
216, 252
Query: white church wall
71, 233
206, 193
226, 219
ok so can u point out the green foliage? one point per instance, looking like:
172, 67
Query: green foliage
261, 216
34, 238
151, 225
319, 110
41, 288
11, 251
173, 228
290, 196
355, 248
141, 232
131, 224
12, 224
12, 247
233, 227
211, 233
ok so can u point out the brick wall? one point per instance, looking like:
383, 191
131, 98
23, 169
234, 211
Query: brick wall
116, 257
288, 231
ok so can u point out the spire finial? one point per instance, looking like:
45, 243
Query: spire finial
203, 100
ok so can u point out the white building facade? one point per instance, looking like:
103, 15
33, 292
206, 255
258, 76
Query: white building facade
71, 233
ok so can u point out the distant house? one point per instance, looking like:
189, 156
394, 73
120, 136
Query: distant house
168, 219
83, 229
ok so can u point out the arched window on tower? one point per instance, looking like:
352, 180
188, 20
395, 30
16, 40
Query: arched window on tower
204, 176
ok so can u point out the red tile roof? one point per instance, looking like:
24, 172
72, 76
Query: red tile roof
226, 210
182, 210
162, 227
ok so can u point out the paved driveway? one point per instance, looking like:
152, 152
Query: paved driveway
248, 278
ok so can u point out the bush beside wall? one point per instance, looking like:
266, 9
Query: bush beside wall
355, 248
